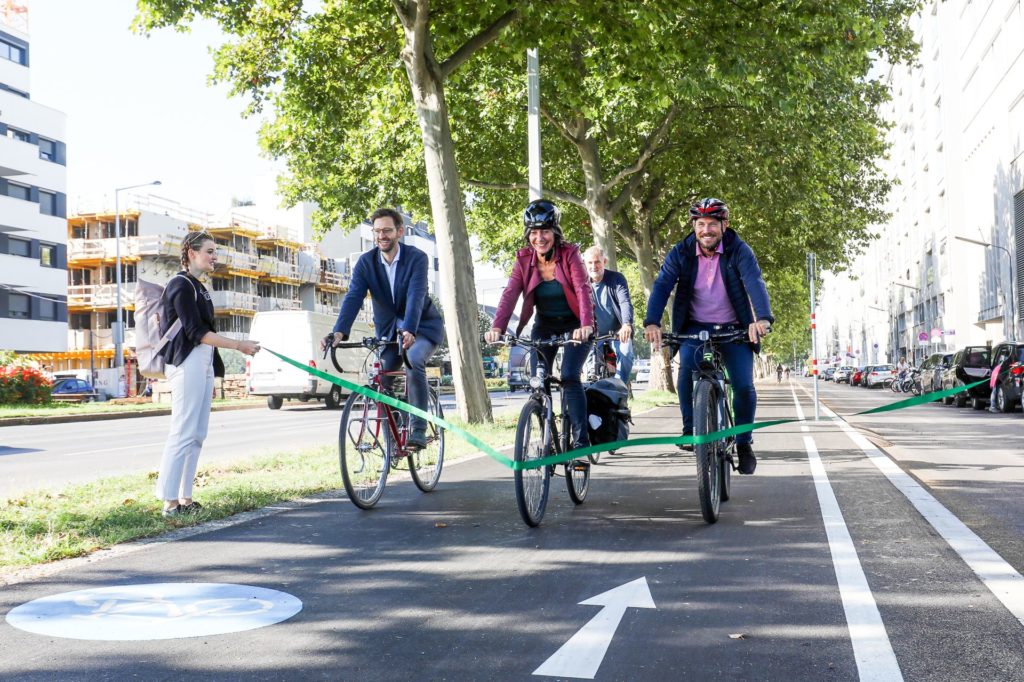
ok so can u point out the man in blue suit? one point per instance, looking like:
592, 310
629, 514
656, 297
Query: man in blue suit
613, 309
395, 274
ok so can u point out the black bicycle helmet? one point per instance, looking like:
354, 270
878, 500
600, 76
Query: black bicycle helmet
709, 208
541, 214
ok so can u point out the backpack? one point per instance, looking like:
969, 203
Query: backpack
608, 416
148, 342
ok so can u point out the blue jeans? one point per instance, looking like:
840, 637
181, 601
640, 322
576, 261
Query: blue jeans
624, 361
574, 400
738, 359
415, 376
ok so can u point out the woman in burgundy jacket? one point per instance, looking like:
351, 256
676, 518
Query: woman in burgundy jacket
550, 275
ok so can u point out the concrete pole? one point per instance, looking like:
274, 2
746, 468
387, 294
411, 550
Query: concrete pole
533, 121
811, 272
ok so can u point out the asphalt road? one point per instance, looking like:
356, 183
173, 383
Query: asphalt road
53, 455
831, 562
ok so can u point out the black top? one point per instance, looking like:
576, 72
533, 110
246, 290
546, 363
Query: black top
186, 298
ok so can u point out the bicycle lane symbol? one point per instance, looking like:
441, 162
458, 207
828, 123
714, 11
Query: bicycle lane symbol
154, 611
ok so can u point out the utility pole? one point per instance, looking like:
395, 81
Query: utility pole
812, 269
533, 121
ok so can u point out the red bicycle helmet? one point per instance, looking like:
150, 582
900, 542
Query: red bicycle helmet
709, 208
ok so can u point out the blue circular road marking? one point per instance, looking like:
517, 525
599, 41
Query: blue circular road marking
154, 611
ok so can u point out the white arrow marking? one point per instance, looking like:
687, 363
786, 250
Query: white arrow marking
581, 656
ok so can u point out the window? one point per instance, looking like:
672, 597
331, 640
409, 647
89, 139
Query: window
47, 203
80, 277
14, 53
47, 309
19, 247
47, 149
79, 321
16, 134
48, 255
18, 305
18, 191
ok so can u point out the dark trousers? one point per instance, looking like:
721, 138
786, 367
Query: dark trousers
738, 359
415, 375
574, 400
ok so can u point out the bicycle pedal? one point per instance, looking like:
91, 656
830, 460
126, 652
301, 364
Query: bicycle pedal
581, 466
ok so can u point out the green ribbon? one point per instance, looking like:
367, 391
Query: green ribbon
590, 449
918, 400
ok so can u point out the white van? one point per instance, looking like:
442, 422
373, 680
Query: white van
296, 334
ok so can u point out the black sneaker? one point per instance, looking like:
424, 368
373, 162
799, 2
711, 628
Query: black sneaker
747, 460
686, 447
191, 508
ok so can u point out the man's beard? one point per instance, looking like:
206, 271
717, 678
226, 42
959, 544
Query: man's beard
712, 247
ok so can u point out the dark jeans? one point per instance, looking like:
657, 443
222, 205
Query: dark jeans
574, 400
415, 376
738, 359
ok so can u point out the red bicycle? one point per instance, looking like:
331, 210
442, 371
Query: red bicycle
373, 435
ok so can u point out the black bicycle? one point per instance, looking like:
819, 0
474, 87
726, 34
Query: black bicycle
373, 437
541, 433
712, 411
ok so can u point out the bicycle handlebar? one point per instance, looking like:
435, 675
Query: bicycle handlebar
555, 341
722, 336
371, 343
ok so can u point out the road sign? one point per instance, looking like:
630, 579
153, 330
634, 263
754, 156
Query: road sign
923, 336
581, 656
154, 611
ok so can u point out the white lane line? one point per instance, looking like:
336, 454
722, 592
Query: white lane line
872, 649
123, 447
799, 409
998, 575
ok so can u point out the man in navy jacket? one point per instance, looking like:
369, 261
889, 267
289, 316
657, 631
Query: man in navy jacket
613, 310
718, 285
395, 275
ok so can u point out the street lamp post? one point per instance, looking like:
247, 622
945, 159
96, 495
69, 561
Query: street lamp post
1010, 319
119, 324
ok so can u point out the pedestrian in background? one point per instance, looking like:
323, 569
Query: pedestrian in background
192, 363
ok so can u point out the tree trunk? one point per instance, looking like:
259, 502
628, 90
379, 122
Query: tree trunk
458, 294
597, 195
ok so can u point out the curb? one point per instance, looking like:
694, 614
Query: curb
106, 416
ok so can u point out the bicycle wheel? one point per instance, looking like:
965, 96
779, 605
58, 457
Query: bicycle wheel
363, 451
425, 465
705, 421
726, 451
577, 472
531, 444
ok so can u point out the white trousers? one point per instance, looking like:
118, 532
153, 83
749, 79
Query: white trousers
191, 394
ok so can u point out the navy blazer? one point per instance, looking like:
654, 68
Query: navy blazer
622, 306
411, 309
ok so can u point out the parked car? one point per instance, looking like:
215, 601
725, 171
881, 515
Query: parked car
863, 382
518, 368
842, 375
71, 389
829, 373
1008, 388
932, 370
969, 365
878, 374
856, 375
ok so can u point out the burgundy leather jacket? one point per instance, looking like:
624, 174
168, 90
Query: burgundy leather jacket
569, 272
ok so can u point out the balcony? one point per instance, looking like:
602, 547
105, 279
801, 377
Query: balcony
236, 260
233, 300
101, 295
267, 303
326, 309
80, 339
333, 279
273, 267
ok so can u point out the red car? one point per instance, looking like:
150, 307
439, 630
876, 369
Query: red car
856, 376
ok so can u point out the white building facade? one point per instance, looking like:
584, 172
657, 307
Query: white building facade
946, 270
33, 206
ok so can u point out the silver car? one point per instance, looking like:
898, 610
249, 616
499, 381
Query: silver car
879, 374
842, 375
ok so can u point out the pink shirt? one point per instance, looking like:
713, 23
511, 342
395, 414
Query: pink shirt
710, 303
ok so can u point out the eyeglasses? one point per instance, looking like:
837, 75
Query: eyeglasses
383, 231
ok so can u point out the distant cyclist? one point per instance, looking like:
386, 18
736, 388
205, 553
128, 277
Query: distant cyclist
778, 372
718, 286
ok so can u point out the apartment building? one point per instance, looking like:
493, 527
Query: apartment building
946, 270
33, 180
